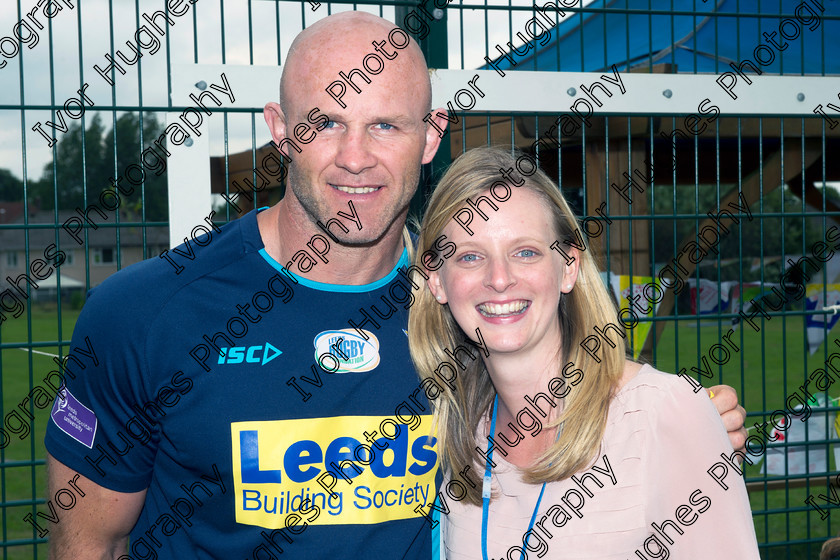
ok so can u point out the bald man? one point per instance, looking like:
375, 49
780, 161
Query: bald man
260, 452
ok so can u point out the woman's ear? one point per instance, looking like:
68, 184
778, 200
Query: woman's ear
436, 287
570, 271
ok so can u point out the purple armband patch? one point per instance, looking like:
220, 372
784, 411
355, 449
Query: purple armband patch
73, 418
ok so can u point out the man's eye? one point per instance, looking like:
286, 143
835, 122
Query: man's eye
328, 124
527, 253
385, 126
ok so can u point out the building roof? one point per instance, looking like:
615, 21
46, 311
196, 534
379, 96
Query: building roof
10, 211
66, 282
44, 229
627, 34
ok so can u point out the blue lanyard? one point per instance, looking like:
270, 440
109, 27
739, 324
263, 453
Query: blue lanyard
485, 491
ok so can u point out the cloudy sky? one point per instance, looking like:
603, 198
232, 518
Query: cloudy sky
74, 40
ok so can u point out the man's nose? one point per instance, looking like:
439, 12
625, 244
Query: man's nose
354, 152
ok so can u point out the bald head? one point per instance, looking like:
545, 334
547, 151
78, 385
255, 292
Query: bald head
343, 42
356, 128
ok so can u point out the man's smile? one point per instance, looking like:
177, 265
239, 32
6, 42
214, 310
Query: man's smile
354, 190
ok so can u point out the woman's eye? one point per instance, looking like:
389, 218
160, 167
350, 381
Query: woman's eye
469, 257
527, 253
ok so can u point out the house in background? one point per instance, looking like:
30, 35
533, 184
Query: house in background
110, 248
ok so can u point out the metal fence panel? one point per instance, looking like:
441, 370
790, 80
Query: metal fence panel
89, 89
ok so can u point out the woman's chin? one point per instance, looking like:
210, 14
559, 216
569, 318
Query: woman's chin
504, 345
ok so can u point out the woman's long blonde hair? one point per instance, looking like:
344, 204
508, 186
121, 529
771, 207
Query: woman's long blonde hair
432, 330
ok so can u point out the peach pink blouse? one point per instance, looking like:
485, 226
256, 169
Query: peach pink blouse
654, 499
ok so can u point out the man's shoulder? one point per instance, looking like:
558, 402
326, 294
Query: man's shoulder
144, 286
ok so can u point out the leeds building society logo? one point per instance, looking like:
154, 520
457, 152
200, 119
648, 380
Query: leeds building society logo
260, 354
354, 353
344, 470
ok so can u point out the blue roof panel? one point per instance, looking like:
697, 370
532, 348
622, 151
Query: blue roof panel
696, 36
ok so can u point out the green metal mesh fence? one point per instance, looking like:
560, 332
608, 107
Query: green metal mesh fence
71, 125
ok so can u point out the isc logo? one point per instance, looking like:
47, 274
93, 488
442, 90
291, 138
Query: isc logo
251, 354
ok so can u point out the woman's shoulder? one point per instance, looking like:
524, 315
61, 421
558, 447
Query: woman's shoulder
645, 380
654, 411
643, 388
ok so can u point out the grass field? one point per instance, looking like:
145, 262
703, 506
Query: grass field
768, 366
22, 481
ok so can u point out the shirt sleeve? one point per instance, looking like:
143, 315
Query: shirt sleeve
698, 506
102, 424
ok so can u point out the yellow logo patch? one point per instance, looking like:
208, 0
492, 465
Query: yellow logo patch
334, 471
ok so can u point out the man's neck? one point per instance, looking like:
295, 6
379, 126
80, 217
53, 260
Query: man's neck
285, 234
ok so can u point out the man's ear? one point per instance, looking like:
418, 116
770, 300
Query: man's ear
433, 136
276, 121
436, 287
570, 271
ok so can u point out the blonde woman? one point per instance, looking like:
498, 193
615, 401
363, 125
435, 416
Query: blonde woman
589, 455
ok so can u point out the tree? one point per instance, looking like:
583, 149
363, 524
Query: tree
126, 137
79, 161
763, 236
87, 163
11, 188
